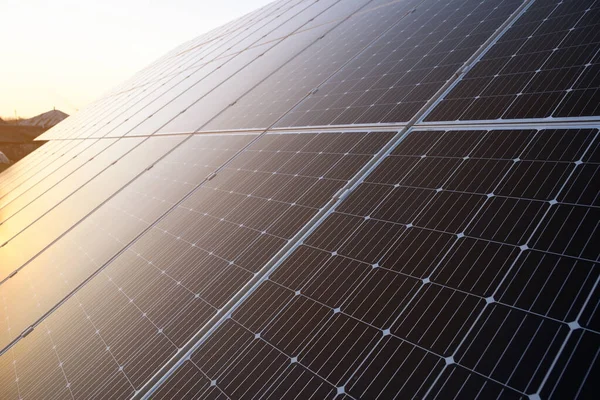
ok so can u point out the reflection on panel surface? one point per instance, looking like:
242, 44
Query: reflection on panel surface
56, 272
545, 65
56, 186
85, 199
428, 279
29, 168
133, 316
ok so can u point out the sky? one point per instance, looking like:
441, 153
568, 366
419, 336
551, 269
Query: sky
66, 53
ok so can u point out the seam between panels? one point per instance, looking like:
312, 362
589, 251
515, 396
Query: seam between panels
532, 123
529, 123
203, 334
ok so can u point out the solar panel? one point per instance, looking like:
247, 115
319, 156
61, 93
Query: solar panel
183, 62
320, 19
213, 67
411, 300
232, 205
65, 179
49, 278
545, 65
51, 219
395, 76
322, 199
29, 167
263, 105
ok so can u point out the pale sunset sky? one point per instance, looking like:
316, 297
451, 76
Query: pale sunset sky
66, 53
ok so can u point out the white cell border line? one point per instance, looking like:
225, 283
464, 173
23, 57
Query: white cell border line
202, 335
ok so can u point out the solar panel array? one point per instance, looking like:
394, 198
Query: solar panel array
361, 199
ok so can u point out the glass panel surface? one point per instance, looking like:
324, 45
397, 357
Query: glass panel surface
426, 280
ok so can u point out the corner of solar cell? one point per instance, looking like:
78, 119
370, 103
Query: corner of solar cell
574, 325
524, 247
534, 396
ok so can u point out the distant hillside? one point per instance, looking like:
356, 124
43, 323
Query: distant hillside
46, 120
16, 137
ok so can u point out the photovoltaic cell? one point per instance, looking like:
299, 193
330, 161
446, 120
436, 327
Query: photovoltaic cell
545, 65
132, 317
420, 285
395, 76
